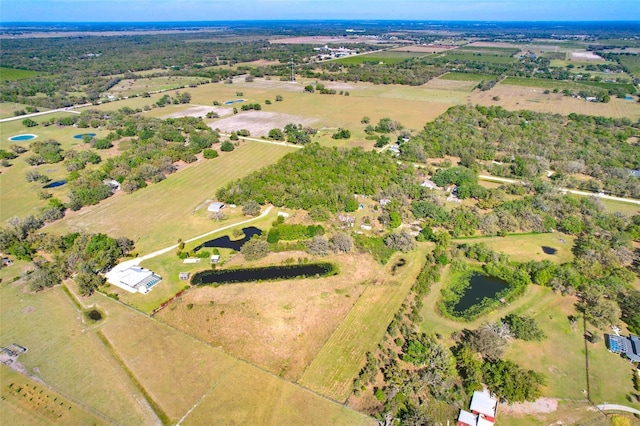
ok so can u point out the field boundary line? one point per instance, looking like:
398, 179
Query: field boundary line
237, 358
155, 407
204, 395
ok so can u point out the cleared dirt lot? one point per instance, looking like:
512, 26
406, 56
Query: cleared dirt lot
279, 325
200, 111
259, 122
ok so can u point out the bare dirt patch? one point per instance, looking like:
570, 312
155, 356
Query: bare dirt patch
586, 56
424, 48
200, 111
279, 325
259, 122
540, 405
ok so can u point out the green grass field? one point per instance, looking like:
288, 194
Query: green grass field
490, 50
153, 84
388, 57
332, 371
544, 83
479, 57
10, 74
631, 62
463, 76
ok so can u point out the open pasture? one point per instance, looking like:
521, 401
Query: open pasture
516, 97
139, 86
278, 325
522, 248
631, 62
65, 353
423, 48
479, 56
489, 50
187, 378
165, 222
7, 109
248, 396
332, 371
386, 57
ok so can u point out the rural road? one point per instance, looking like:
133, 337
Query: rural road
615, 407
51, 111
282, 143
566, 190
114, 273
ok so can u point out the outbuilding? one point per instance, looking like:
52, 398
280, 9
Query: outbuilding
215, 207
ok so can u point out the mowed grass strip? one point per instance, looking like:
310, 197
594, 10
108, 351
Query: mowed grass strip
248, 396
332, 371
160, 214
27, 402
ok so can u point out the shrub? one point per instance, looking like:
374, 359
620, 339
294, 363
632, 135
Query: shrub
226, 146
210, 153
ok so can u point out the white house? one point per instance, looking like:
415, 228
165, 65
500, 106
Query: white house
135, 279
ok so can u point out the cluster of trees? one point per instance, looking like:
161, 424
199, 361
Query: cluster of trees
526, 144
55, 258
319, 176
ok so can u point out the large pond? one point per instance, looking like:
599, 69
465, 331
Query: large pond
226, 242
480, 286
261, 274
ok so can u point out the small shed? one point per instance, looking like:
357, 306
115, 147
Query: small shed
184, 276
429, 184
215, 207
215, 258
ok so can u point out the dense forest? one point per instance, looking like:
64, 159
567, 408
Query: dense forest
527, 145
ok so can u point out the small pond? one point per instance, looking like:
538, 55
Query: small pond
226, 242
234, 101
94, 315
480, 286
55, 184
549, 250
261, 274
22, 138
81, 135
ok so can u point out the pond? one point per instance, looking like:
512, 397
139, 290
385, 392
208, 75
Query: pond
226, 242
480, 286
262, 274
549, 250
234, 101
55, 184
20, 138
81, 135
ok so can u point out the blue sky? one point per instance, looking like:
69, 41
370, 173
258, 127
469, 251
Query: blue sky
213, 10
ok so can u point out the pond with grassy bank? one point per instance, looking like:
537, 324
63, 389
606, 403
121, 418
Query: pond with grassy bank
230, 276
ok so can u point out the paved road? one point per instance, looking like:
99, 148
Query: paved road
114, 273
615, 407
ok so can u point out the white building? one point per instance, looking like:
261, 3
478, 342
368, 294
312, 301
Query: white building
134, 279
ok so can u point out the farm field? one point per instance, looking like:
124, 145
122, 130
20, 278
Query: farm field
514, 97
332, 371
463, 76
386, 57
51, 327
43, 406
206, 379
187, 188
279, 325
139, 86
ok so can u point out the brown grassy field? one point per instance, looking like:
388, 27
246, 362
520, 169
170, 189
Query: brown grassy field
279, 325
332, 371
517, 97
152, 84
250, 397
